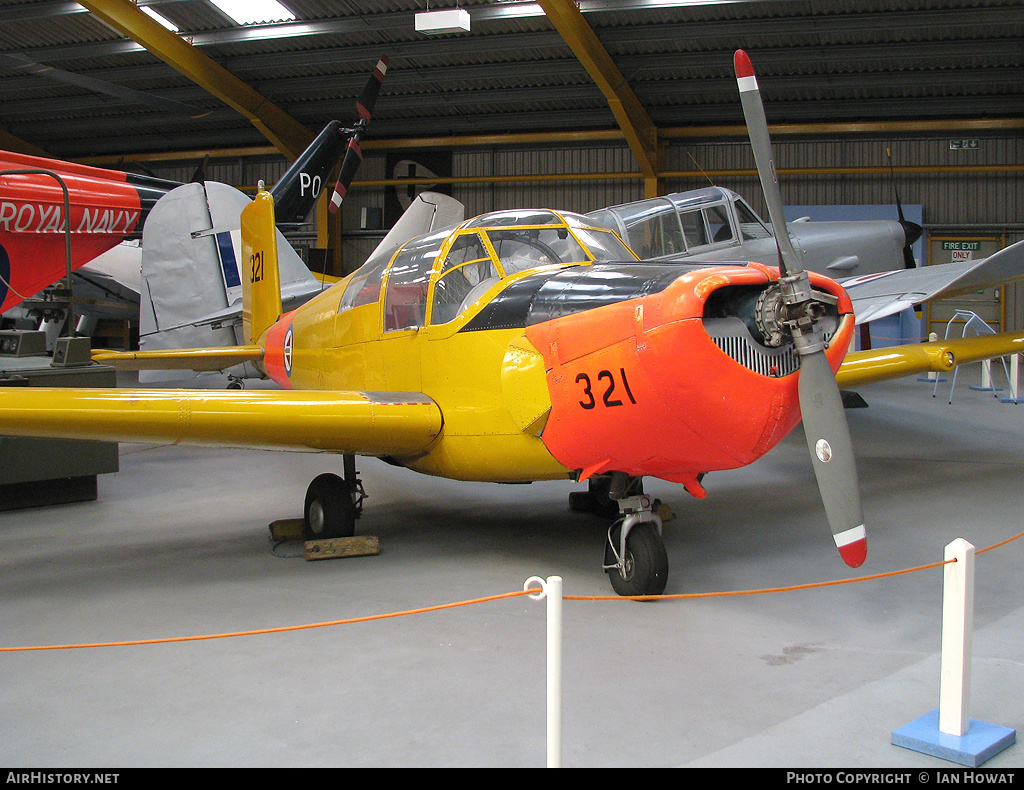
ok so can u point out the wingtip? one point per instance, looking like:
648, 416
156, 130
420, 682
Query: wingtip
742, 64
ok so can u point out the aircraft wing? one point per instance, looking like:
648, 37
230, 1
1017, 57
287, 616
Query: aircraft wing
865, 367
878, 295
400, 424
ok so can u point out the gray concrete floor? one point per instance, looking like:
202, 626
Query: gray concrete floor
177, 544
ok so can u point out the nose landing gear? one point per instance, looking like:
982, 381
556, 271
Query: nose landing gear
634, 556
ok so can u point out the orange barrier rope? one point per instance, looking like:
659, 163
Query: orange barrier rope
282, 629
530, 591
1000, 543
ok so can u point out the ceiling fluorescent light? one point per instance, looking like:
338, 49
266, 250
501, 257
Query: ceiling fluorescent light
161, 19
254, 12
452, 20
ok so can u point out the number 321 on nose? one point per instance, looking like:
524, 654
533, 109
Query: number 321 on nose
604, 387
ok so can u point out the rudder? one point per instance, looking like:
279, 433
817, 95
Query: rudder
261, 282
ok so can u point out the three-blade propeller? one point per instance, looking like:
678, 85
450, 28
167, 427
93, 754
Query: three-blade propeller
354, 155
821, 405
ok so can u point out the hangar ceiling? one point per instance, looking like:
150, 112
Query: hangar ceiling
627, 68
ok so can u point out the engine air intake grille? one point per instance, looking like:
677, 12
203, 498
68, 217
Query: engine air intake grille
731, 335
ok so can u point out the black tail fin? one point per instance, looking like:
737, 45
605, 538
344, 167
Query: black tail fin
296, 193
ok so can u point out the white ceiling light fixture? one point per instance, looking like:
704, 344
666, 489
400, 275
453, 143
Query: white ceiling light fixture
254, 12
449, 20
161, 19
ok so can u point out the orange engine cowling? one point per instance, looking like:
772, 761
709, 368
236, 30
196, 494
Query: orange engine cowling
679, 382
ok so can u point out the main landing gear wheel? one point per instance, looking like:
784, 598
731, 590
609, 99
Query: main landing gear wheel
643, 567
330, 510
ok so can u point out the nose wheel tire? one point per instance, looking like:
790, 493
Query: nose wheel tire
644, 568
330, 510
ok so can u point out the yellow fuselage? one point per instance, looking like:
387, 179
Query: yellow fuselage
489, 385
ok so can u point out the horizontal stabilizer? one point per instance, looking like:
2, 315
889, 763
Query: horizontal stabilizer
400, 424
180, 359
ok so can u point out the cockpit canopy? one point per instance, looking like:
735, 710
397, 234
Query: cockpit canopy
435, 278
684, 223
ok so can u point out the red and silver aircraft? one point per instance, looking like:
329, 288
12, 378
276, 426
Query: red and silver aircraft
528, 345
57, 216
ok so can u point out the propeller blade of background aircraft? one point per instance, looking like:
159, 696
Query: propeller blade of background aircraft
368, 98
349, 166
354, 156
828, 435
26, 66
911, 230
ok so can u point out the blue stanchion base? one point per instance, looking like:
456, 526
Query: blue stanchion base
927, 380
981, 742
1011, 400
987, 389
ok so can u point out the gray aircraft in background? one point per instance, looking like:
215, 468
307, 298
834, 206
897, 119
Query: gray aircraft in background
716, 224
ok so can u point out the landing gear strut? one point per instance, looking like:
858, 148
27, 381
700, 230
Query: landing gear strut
635, 557
597, 499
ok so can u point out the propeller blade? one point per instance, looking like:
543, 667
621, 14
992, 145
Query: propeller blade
821, 405
911, 230
349, 166
761, 144
368, 98
354, 155
828, 440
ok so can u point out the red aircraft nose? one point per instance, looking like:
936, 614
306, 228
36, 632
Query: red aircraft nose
669, 385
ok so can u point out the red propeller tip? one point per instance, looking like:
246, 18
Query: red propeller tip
742, 64
854, 553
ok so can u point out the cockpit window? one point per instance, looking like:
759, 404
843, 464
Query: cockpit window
693, 228
364, 287
604, 245
467, 272
657, 234
405, 296
528, 248
751, 226
718, 223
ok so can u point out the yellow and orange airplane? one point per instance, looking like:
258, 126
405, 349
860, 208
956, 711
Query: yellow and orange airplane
519, 346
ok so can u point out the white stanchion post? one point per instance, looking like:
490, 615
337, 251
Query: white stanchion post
932, 376
957, 636
1014, 374
551, 589
948, 732
986, 374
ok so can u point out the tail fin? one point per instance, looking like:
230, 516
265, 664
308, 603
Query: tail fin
299, 188
261, 282
297, 191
